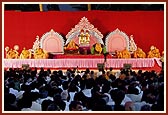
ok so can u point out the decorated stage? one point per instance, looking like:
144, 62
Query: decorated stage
85, 46
82, 63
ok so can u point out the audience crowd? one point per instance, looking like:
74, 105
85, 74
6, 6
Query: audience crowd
73, 90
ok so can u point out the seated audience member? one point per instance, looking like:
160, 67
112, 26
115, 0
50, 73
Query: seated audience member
119, 108
59, 102
64, 97
75, 106
134, 93
72, 90
25, 103
111, 71
156, 107
118, 96
9, 103
149, 94
12, 89
53, 107
35, 105
101, 105
45, 104
138, 105
129, 106
88, 85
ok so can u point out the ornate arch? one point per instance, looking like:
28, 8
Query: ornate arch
116, 40
52, 42
95, 35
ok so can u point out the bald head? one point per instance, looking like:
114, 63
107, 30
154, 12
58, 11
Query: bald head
129, 106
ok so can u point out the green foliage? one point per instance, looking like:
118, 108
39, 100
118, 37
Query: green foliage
92, 50
104, 50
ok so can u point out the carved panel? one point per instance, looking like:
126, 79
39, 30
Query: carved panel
116, 40
52, 42
95, 35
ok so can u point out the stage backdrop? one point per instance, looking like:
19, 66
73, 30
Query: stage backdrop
147, 27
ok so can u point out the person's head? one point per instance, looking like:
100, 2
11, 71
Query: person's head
35, 96
25, 102
75, 106
89, 84
117, 96
64, 95
106, 87
100, 101
10, 98
45, 105
129, 106
53, 107
112, 77
119, 108
92, 72
59, 102
87, 70
79, 96
57, 98
72, 88
133, 90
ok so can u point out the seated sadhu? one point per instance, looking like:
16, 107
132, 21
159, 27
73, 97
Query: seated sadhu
154, 52
25, 54
40, 54
139, 53
71, 46
118, 54
126, 54
12, 54
98, 48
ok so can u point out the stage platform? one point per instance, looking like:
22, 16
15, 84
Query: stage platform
82, 63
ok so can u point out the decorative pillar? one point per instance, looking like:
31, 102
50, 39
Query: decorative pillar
41, 7
89, 7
